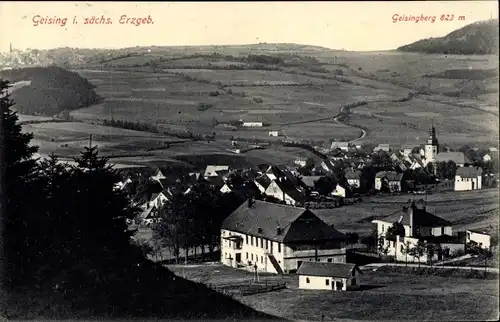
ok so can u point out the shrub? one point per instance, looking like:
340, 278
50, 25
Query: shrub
258, 100
216, 93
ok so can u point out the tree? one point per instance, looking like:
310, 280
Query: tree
369, 241
381, 245
476, 249
418, 251
396, 229
406, 251
325, 185
431, 250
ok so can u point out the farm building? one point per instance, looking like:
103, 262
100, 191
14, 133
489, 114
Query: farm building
253, 124
479, 237
309, 180
262, 183
278, 238
301, 162
328, 276
353, 178
390, 180
468, 178
340, 191
274, 133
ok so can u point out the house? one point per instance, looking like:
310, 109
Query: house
262, 183
158, 199
353, 178
275, 172
122, 184
493, 149
216, 171
328, 276
337, 154
486, 158
253, 124
301, 162
340, 191
382, 147
277, 238
457, 157
274, 133
407, 149
328, 166
389, 179
344, 146
417, 224
479, 237
468, 178
285, 191
149, 216
226, 188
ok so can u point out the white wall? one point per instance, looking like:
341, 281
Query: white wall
275, 191
320, 282
462, 184
483, 239
378, 183
353, 182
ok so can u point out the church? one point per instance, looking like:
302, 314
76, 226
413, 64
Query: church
433, 155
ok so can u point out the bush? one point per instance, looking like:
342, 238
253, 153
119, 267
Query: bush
258, 100
216, 93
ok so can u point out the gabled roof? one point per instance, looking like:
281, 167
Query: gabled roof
264, 181
469, 172
288, 188
339, 145
390, 175
215, 170
457, 157
309, 180
326, 269
269, 216
421, 217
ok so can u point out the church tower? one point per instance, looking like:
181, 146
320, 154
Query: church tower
432, 146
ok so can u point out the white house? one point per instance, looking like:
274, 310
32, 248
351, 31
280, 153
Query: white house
382, 147
226, 188
301, 162
390, 179
122, 184
277, 238
416, 224
407, 149
339, 191
328, 276
493, 149
253, 124
284, 191
468, 178
216, 171
486, 158
274, 133
479, 237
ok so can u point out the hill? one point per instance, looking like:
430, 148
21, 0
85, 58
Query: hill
479, 38
52, 90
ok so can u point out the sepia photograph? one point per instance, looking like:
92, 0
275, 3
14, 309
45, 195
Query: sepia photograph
292, 160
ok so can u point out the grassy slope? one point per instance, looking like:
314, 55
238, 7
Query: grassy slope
134, 290
476, 38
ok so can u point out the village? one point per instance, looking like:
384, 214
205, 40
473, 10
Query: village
274, 239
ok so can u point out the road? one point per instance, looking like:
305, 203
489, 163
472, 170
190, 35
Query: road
375, 265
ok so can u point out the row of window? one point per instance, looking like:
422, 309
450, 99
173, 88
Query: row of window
264, 243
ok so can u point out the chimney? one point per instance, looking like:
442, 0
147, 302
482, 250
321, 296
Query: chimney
259, 230
250, 202
278, 230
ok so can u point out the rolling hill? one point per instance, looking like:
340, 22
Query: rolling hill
51, 90
479, 38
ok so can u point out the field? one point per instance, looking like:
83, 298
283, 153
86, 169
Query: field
387, 296
466, 210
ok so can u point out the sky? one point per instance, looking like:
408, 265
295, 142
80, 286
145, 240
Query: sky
356, 26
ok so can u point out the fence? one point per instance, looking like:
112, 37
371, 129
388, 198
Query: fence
246, 289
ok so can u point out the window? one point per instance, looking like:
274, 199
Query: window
261, 260
329, 260
256, 241
261, 243
279, 248
327, 282
317, 259
402, 249
307, 280
442, 230
382, 227
266, 244
229, 243
246, 239
353, 282
251, 240
252, 256
271, 246
247, 255
354, 272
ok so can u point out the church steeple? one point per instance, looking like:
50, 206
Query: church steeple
432, 146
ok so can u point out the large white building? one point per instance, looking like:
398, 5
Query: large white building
276, 238
468, 178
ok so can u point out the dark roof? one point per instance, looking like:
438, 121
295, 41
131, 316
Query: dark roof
469, 172
263, 181
353, 174
296, 224
421, 217
390, 175
288, 188
326, 269
309, 180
